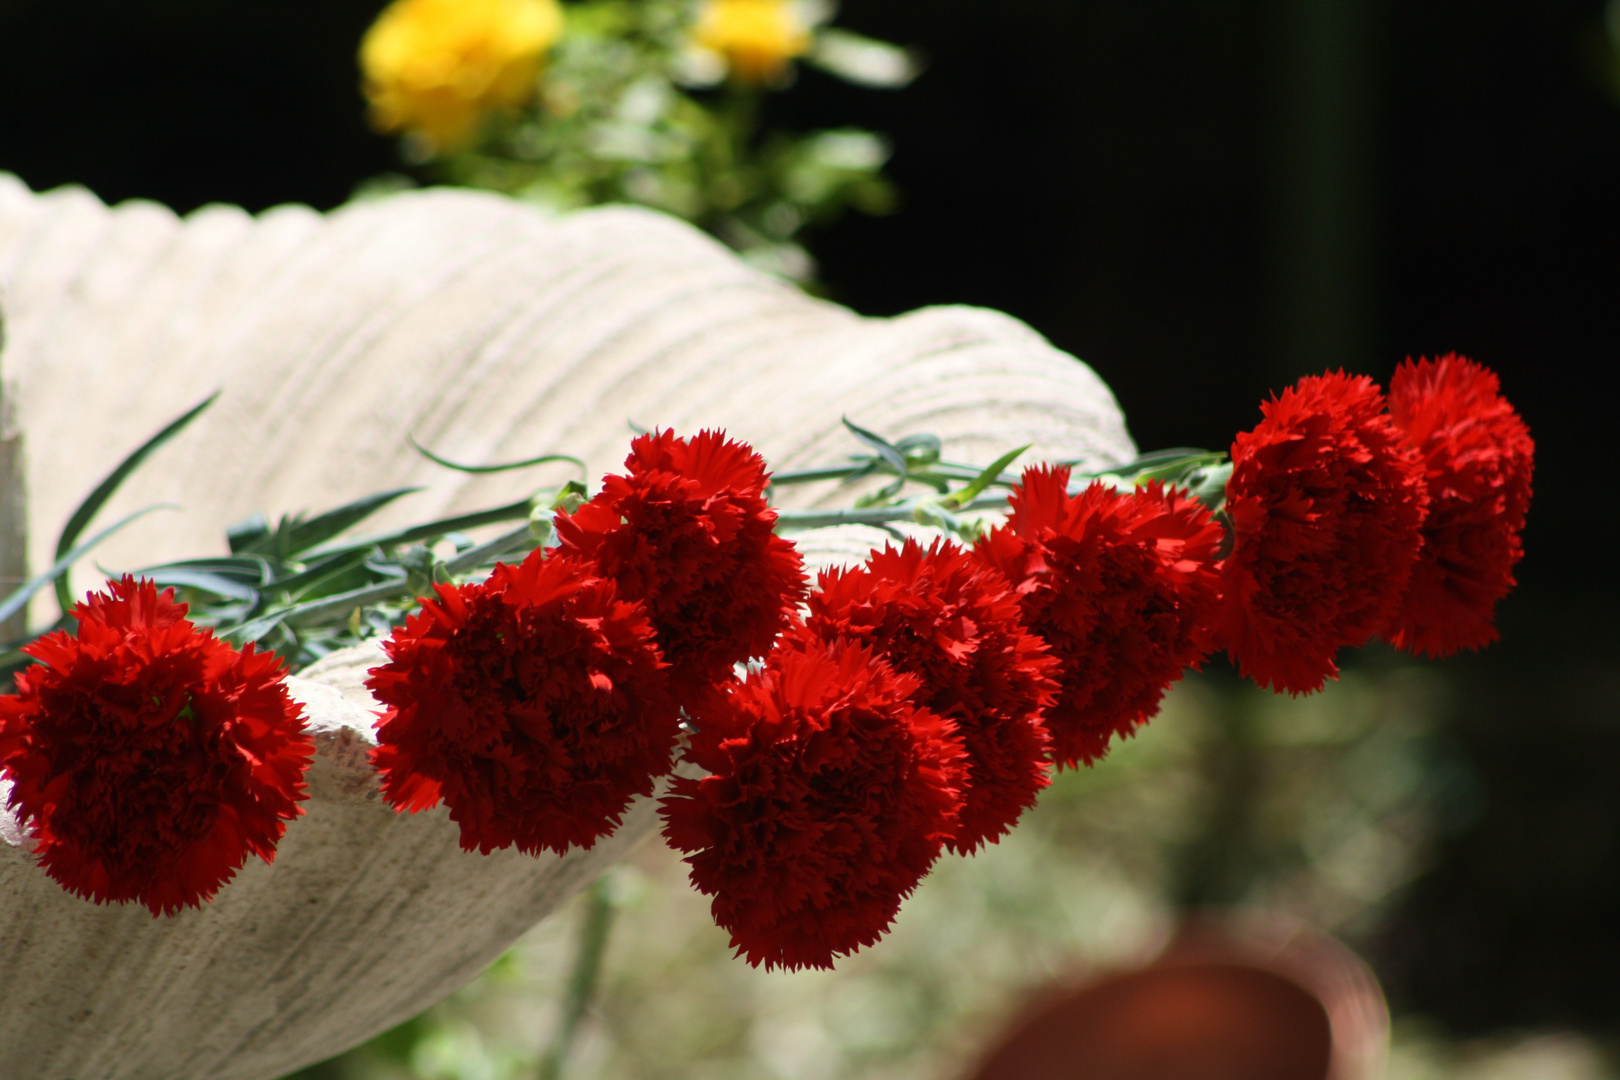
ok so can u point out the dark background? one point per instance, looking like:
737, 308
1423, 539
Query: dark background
1203, 200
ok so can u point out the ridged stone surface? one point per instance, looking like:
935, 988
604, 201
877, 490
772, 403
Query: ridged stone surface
489, 332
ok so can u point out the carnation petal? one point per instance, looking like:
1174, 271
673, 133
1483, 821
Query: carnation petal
940, 615
687, 532
545, 711
1120, 585
1326, 500
149, 759
1478, 459
830, 797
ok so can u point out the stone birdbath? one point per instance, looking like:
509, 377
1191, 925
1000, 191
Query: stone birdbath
483, 329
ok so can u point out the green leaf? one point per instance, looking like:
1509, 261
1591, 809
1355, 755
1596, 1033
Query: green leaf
295, 536
1156, 458
218, 584
990, 475
254, 630
541, 460
882, 496
519, 539
885, 449
517, 511
323, 570
13, 659
325, 611
58, 571
1208, 485
935, 516
922, 449
247, 534
244, 570
98, 498
807, 476
1171, 466
931, 479
867, 466
335, 609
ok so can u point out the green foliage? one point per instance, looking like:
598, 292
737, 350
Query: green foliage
293, 589
69, 549
954, 488
629, 112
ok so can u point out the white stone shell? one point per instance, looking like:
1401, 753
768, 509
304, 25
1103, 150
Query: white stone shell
488, 332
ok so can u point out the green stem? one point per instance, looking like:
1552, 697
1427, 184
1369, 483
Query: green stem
583, 979
821, 519
1156, 465
881, 515
810, 476
939, 470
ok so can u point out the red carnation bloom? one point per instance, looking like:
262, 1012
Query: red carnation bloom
1121, 585
1477, 460
831, 793
148, 757
687, 532
941, 616
534, 704
1325, 503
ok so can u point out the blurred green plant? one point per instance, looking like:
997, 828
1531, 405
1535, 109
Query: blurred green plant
655, 102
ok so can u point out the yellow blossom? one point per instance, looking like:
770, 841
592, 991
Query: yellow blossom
437, 66
756, 37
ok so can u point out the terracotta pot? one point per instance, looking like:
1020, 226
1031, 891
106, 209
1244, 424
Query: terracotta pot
1227, 1000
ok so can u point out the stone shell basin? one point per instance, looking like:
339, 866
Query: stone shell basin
489, 332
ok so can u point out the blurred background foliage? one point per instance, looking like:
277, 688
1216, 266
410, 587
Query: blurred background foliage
655, 102
1323, 807
1204, 201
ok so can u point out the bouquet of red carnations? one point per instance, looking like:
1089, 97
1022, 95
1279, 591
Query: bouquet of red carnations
831, 738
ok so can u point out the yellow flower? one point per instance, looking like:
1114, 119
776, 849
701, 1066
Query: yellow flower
437, 66
756, 37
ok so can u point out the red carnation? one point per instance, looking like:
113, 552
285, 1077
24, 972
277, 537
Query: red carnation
1121, 585
688, 533
941, 616
148, 757
831, 793
1325, 503
1477, 460
534, 704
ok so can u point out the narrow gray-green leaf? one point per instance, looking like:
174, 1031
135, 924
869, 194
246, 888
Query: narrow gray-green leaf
246, 534
521, 538
517, 511
922, 448
218, 584
93, 502
253, 630
885, 449
507, 467
990, 475
303, 582
58, 571
330, 609
318, 530
251, 570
